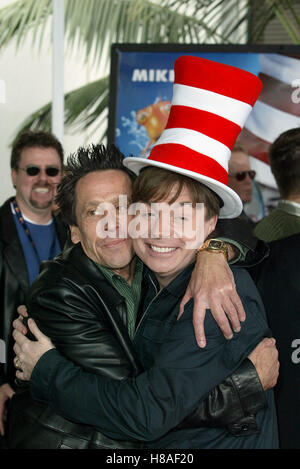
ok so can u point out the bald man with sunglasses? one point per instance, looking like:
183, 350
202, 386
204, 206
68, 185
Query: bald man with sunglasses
240, 176
29, 234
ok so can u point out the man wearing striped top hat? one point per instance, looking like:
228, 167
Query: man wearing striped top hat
186, 168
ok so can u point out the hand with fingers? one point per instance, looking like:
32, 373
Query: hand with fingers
29, 352
18, 323
212, 287
6, 393
265, 359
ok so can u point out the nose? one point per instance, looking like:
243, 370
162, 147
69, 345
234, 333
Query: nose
247, 181
160, 225
109, 223
42, 176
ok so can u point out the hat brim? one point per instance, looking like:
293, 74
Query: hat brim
232, 207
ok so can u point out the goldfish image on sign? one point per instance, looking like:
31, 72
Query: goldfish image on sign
154, 119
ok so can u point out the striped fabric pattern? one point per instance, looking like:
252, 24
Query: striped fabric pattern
210, 105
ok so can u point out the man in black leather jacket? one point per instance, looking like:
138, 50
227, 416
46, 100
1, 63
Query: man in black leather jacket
75, 293
34, 154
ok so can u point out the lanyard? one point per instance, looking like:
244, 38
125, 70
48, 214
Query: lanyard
26, 229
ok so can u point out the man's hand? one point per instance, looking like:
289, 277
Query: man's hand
22, 310
212, 286
6, 392
28, 352
265, 359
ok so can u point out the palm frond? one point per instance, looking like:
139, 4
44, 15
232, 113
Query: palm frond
83, 107
94, 24
286, 14
22, 17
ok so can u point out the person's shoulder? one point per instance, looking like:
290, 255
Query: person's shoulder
250, 297
70, 271
243, 281
274, 226
5, 209
7, 203
65, 267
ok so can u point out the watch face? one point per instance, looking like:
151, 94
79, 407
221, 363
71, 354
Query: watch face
215, 244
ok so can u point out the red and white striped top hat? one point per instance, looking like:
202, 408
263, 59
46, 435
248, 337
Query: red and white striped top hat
211, 102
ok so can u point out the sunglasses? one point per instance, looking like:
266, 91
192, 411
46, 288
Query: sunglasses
242, 175
51, 171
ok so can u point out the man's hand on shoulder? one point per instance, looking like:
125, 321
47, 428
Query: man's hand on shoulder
212, 287
28, 352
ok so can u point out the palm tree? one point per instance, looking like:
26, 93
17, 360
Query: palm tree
95, 24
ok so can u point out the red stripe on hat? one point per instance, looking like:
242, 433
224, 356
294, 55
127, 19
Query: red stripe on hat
183, 157
220, 78
209, 124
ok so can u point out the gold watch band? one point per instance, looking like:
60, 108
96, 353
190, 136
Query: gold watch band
214, 245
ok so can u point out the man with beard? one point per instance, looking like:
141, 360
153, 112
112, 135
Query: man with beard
29, 234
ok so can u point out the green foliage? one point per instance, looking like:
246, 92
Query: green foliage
95, 24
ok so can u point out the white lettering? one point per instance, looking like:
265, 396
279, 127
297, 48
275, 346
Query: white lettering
2, 92
155, 220
153, 75
2, 352
118, 459
296, 94
161, 75
139, 75
296, 353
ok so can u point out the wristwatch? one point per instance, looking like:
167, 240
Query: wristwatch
215, 245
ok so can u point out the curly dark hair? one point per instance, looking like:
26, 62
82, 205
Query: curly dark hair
86, 160
284, 155
31, 139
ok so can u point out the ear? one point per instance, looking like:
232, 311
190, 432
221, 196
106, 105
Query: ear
212, 224
14, 177
75, 234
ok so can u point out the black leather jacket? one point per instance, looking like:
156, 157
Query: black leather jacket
14, 282
84, 315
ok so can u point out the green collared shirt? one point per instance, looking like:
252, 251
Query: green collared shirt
288, 206
282, 222
130, 293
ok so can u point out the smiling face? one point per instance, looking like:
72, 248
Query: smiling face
35, 194
167, 251
102, 189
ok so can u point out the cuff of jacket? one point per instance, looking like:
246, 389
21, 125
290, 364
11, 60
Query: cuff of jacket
249, 387
2, 375
42, 375
238, 230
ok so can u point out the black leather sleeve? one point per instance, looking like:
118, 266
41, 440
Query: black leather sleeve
238, 230
233, 403
67, 314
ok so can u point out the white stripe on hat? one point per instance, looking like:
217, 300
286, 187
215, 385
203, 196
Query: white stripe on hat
198, 142
232, 109
281, 67
267, 122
